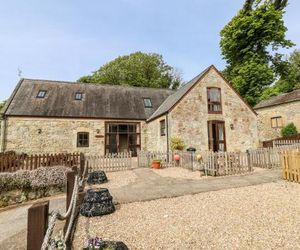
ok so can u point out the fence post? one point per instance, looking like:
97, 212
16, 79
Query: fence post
82, 163
249, 161
70, 187
37, 225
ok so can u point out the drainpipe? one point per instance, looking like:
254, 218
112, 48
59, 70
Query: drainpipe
3, 134
167, 123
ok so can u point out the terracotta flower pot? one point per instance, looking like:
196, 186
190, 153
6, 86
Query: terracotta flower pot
156, 164
177, 157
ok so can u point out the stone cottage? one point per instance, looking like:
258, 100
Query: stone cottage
44, 116
277, 112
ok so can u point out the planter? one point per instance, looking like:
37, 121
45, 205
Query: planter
156, 164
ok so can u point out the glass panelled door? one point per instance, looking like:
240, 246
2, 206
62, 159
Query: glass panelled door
216, 136
122, 137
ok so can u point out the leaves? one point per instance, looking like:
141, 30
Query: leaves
137, 69
249, 43
289, 130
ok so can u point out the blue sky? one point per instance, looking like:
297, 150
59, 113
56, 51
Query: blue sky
63, 40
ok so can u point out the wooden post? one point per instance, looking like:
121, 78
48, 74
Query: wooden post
70, 187
37, 225
82, 163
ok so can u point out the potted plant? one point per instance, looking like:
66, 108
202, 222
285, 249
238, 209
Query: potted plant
156, 163
177, 144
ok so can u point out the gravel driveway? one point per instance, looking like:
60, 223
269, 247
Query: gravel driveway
265, 216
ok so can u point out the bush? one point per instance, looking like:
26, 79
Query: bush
177, 143
289, 130
34, 179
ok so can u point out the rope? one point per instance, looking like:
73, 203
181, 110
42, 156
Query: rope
49, 243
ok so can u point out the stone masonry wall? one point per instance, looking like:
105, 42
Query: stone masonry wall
290, 112
188, 119
57, 135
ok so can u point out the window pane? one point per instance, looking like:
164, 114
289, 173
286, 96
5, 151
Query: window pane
147, 103
273, 122
221, 132
214, 95
123, 128
279, 122
41, 94
78, 96
113, 128
83, 139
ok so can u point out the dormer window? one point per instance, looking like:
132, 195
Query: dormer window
147, 103
41, 94
78, 96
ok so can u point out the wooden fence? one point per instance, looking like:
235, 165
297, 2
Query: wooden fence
294, 139
220, 163
278, 143
110, 162
291, 165
10, 162
187, 160
38, 220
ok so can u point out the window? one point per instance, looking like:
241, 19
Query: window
147, 103
163, 127
78, 96
41, 94
276, 122
82, 139
214, 100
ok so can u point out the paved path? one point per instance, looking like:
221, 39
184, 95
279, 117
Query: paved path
150, 185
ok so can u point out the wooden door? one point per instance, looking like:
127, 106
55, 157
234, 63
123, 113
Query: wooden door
216, 136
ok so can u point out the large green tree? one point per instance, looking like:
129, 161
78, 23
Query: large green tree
289, 81
2, 104
249, 44
137, 69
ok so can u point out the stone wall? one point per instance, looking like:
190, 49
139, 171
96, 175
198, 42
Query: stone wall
154, 141
56, 135
290, 112
188, 120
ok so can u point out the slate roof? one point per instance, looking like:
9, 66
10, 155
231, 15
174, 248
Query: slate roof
99, 101
176, 97
280, 99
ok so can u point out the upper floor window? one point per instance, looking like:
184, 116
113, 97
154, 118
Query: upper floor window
41, 94
214, 100
82, 139
78, 96
163, 127
276, 122
147, 103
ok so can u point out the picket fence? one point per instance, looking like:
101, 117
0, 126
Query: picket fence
110, 162
10, 162
278, 143
291, 165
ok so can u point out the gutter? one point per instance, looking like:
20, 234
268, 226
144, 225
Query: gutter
167, 122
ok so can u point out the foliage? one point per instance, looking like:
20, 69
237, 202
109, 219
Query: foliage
177, 143
249, 44
289, 130
289, 81
137, 69
34, 179
2, 104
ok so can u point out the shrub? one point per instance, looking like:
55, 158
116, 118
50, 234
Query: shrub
34, 179
289, 130
177, 143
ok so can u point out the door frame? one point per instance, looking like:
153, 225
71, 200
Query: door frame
216, 141
138, 125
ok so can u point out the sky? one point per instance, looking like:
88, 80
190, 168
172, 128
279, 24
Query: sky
66, 39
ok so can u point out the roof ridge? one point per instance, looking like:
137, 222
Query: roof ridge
97, 84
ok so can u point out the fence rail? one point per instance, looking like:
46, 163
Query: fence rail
110, 162
291, 165
10, 162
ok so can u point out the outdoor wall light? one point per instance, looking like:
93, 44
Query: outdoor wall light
39, 131
231, 126
98, 131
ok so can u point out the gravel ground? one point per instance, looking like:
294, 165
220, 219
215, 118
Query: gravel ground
177, 172
118, 179
256, 217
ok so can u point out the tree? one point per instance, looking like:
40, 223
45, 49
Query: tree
249, 44
2, 104
288, 81
289, 130
137, 69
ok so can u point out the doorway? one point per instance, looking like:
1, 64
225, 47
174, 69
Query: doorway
122, 137
216, 136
